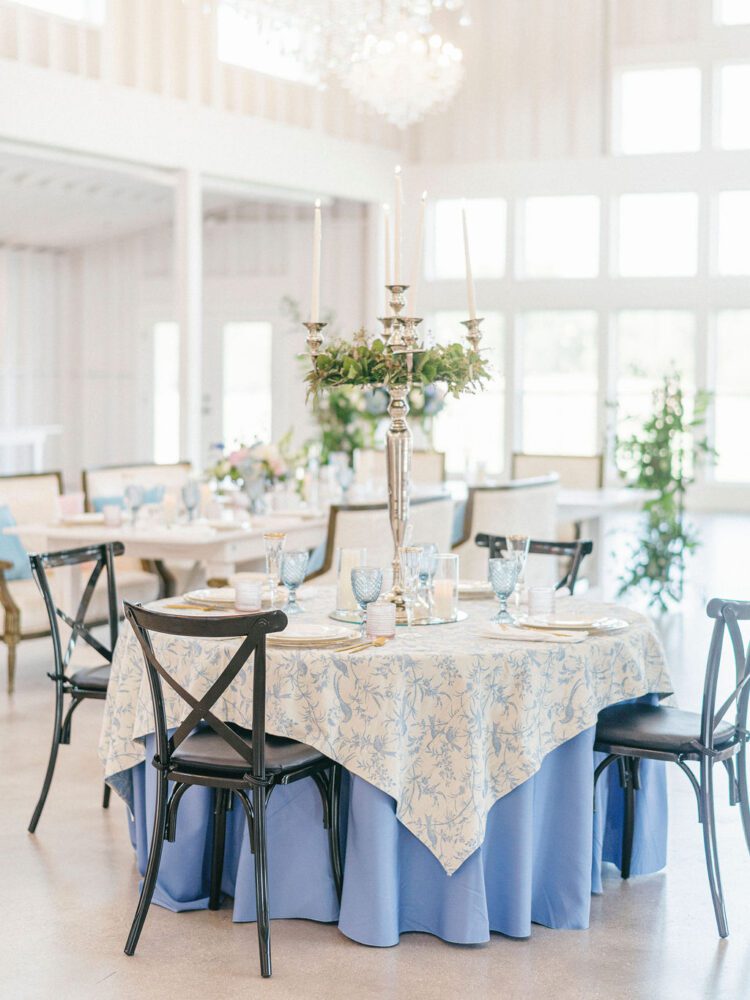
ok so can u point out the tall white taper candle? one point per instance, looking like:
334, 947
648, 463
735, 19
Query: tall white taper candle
388, 275
397, 228
469, 275
315, 290
411, 305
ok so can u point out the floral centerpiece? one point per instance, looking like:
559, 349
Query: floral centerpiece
256, 468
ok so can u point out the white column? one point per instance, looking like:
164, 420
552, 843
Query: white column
188, 273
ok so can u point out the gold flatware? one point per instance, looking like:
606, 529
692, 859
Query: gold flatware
378, 641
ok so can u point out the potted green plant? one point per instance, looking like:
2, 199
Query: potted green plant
661, 458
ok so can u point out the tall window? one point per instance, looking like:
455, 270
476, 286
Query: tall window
732, 399
560, 237
734, 232
242, 42
166, 392
486, 221
90, 11
658, 234
559, 351
651, 343
470, 430
734, 120
247, 383
659, 110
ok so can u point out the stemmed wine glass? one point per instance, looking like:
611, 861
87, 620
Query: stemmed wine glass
367, 582
518, 546
427, 568
134, 497
411, 560
293, 569
344, 472
503, 576
274, 542
191, 497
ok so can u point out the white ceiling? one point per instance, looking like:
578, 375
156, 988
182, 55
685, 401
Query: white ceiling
59, 203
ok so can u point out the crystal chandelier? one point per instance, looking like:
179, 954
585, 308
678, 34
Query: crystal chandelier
384, 52
404, 76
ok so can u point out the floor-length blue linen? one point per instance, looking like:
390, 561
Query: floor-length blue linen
541, 857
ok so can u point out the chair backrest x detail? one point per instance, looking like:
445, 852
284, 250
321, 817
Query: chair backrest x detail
102, 557
252, 630
727, 616
575, 551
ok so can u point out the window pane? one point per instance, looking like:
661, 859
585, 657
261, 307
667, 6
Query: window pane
658, 234
734, 232
470, 430
242, 41
732, 11
561, 237
166, 392
732, 401
734, 119
485, 219
559, 382
91, 11
660, 110
247, 383
651, 343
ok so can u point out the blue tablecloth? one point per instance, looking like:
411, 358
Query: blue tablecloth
540, 861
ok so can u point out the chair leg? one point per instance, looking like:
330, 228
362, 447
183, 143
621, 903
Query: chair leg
106, 795
11, 667
627, 777
217, 849
744, 793
711, 846
261, 880
56, 740
334, 834
152, 868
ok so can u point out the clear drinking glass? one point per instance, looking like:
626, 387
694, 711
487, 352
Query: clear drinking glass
503, 577
191, 497
427, 567
445, 588
367, 582
293, 569
519, 546
411, 557
273, 542
134, 497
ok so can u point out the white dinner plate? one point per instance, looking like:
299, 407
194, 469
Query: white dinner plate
306, 634
79, 519
574, 622
220, 596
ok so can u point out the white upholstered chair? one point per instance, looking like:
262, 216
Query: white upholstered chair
367, 526
521, 506
427, 466
34, 499
576, 472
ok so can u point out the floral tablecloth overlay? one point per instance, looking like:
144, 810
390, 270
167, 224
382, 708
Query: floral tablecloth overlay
441, 719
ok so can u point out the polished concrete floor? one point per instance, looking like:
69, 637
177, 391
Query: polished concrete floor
68, 893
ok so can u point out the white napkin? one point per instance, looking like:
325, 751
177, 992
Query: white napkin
517, 634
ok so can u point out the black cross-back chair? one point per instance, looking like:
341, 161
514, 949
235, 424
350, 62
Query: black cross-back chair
231, 760
575, 552
87, 683
628, 733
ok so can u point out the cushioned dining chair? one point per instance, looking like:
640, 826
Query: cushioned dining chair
573, 554
628, 733
86, 683
231, 760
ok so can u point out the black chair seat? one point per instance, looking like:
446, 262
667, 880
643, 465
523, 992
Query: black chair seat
92, 678
206, 751
655, 727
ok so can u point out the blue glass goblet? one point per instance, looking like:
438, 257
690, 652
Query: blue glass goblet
503, 576
367, 582
293, 570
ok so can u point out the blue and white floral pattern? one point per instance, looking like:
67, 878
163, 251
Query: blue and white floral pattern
443, 720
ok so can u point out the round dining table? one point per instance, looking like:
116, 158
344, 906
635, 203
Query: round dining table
469, 773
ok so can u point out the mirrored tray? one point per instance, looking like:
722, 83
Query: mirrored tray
355, 618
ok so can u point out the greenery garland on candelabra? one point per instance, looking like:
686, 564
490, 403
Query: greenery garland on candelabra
662, 457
